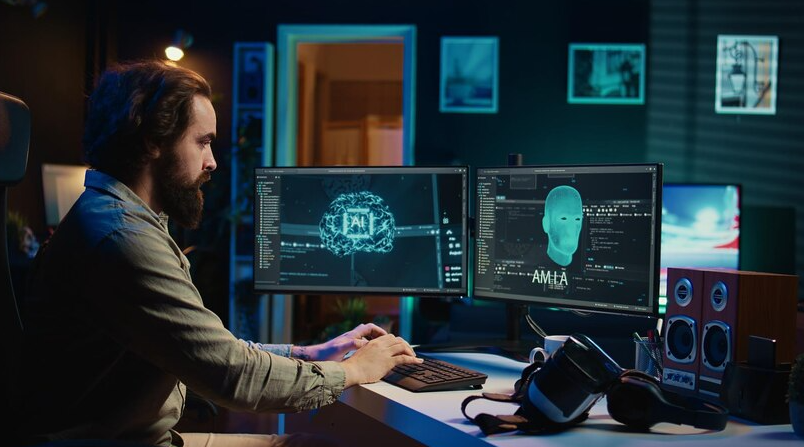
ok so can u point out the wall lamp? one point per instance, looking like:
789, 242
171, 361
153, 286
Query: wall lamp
181, 41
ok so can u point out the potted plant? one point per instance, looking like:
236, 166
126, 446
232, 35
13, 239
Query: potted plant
352, 312
795, 395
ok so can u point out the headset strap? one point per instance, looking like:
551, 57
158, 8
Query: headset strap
527, 417
489, 424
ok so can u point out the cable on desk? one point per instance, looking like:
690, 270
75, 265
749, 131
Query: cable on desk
535, 327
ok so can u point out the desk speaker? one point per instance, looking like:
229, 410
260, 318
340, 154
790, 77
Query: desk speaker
682, 330
737, 304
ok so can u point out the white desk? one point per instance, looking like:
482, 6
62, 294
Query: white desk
385, 415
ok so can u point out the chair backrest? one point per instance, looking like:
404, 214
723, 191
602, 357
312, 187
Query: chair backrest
15, 135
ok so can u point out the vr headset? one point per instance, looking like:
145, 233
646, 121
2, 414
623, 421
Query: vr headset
557, 394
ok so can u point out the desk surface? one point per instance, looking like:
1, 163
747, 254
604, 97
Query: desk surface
434, 418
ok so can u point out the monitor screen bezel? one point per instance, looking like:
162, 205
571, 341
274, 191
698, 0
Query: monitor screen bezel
657, 231
463, 290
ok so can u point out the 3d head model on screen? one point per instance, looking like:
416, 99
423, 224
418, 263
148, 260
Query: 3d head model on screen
563, 216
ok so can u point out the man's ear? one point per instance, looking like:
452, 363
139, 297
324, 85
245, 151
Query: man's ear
152, 150
546, 224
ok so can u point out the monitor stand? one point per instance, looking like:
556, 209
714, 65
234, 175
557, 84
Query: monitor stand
514, 350
512, 347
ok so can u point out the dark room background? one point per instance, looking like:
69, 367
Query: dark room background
51, 62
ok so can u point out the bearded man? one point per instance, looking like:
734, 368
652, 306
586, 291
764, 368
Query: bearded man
114, 327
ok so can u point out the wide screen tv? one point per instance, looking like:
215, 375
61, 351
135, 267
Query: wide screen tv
700, 227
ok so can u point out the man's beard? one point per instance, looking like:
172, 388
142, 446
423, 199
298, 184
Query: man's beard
182, 200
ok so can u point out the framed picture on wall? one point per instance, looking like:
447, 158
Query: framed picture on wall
746, 74
251, 75
469, 74
606, 73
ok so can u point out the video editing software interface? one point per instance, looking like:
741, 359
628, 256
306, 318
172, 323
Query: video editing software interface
580, 237
393, 230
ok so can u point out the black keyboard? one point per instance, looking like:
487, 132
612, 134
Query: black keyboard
434, 375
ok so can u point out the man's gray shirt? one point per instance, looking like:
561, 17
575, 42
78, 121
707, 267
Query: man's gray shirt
114, 329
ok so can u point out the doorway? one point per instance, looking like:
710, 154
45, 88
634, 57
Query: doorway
350, 104
293, 37
345, 96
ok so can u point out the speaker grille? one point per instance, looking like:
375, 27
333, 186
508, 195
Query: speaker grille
716, 345
719, 296
682, 292
682, 339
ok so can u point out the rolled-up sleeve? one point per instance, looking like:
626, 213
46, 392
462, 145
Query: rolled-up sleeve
143, 286
282, 350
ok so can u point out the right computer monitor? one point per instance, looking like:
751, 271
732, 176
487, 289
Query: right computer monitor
581, 237
700, 227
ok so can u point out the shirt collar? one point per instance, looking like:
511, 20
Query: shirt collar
106, 183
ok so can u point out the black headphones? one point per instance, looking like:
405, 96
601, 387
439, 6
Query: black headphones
636, 400
557, 394
580, 372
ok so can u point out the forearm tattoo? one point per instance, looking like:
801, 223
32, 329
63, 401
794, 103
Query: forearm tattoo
300, 352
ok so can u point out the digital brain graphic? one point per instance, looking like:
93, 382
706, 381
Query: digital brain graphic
355, 222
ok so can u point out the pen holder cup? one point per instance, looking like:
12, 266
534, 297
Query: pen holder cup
648, 357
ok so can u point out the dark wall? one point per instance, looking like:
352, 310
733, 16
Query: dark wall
763, 153
534, 117
43, 63
49, 62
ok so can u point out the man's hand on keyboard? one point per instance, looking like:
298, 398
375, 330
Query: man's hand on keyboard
336, 348
374, 360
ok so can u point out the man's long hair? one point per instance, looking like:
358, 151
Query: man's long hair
136, 108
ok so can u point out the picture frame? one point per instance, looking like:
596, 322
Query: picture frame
253, 64
746, 74
606, 73
469, 74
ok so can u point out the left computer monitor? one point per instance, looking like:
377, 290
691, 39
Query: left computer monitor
61, 185
385, 230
